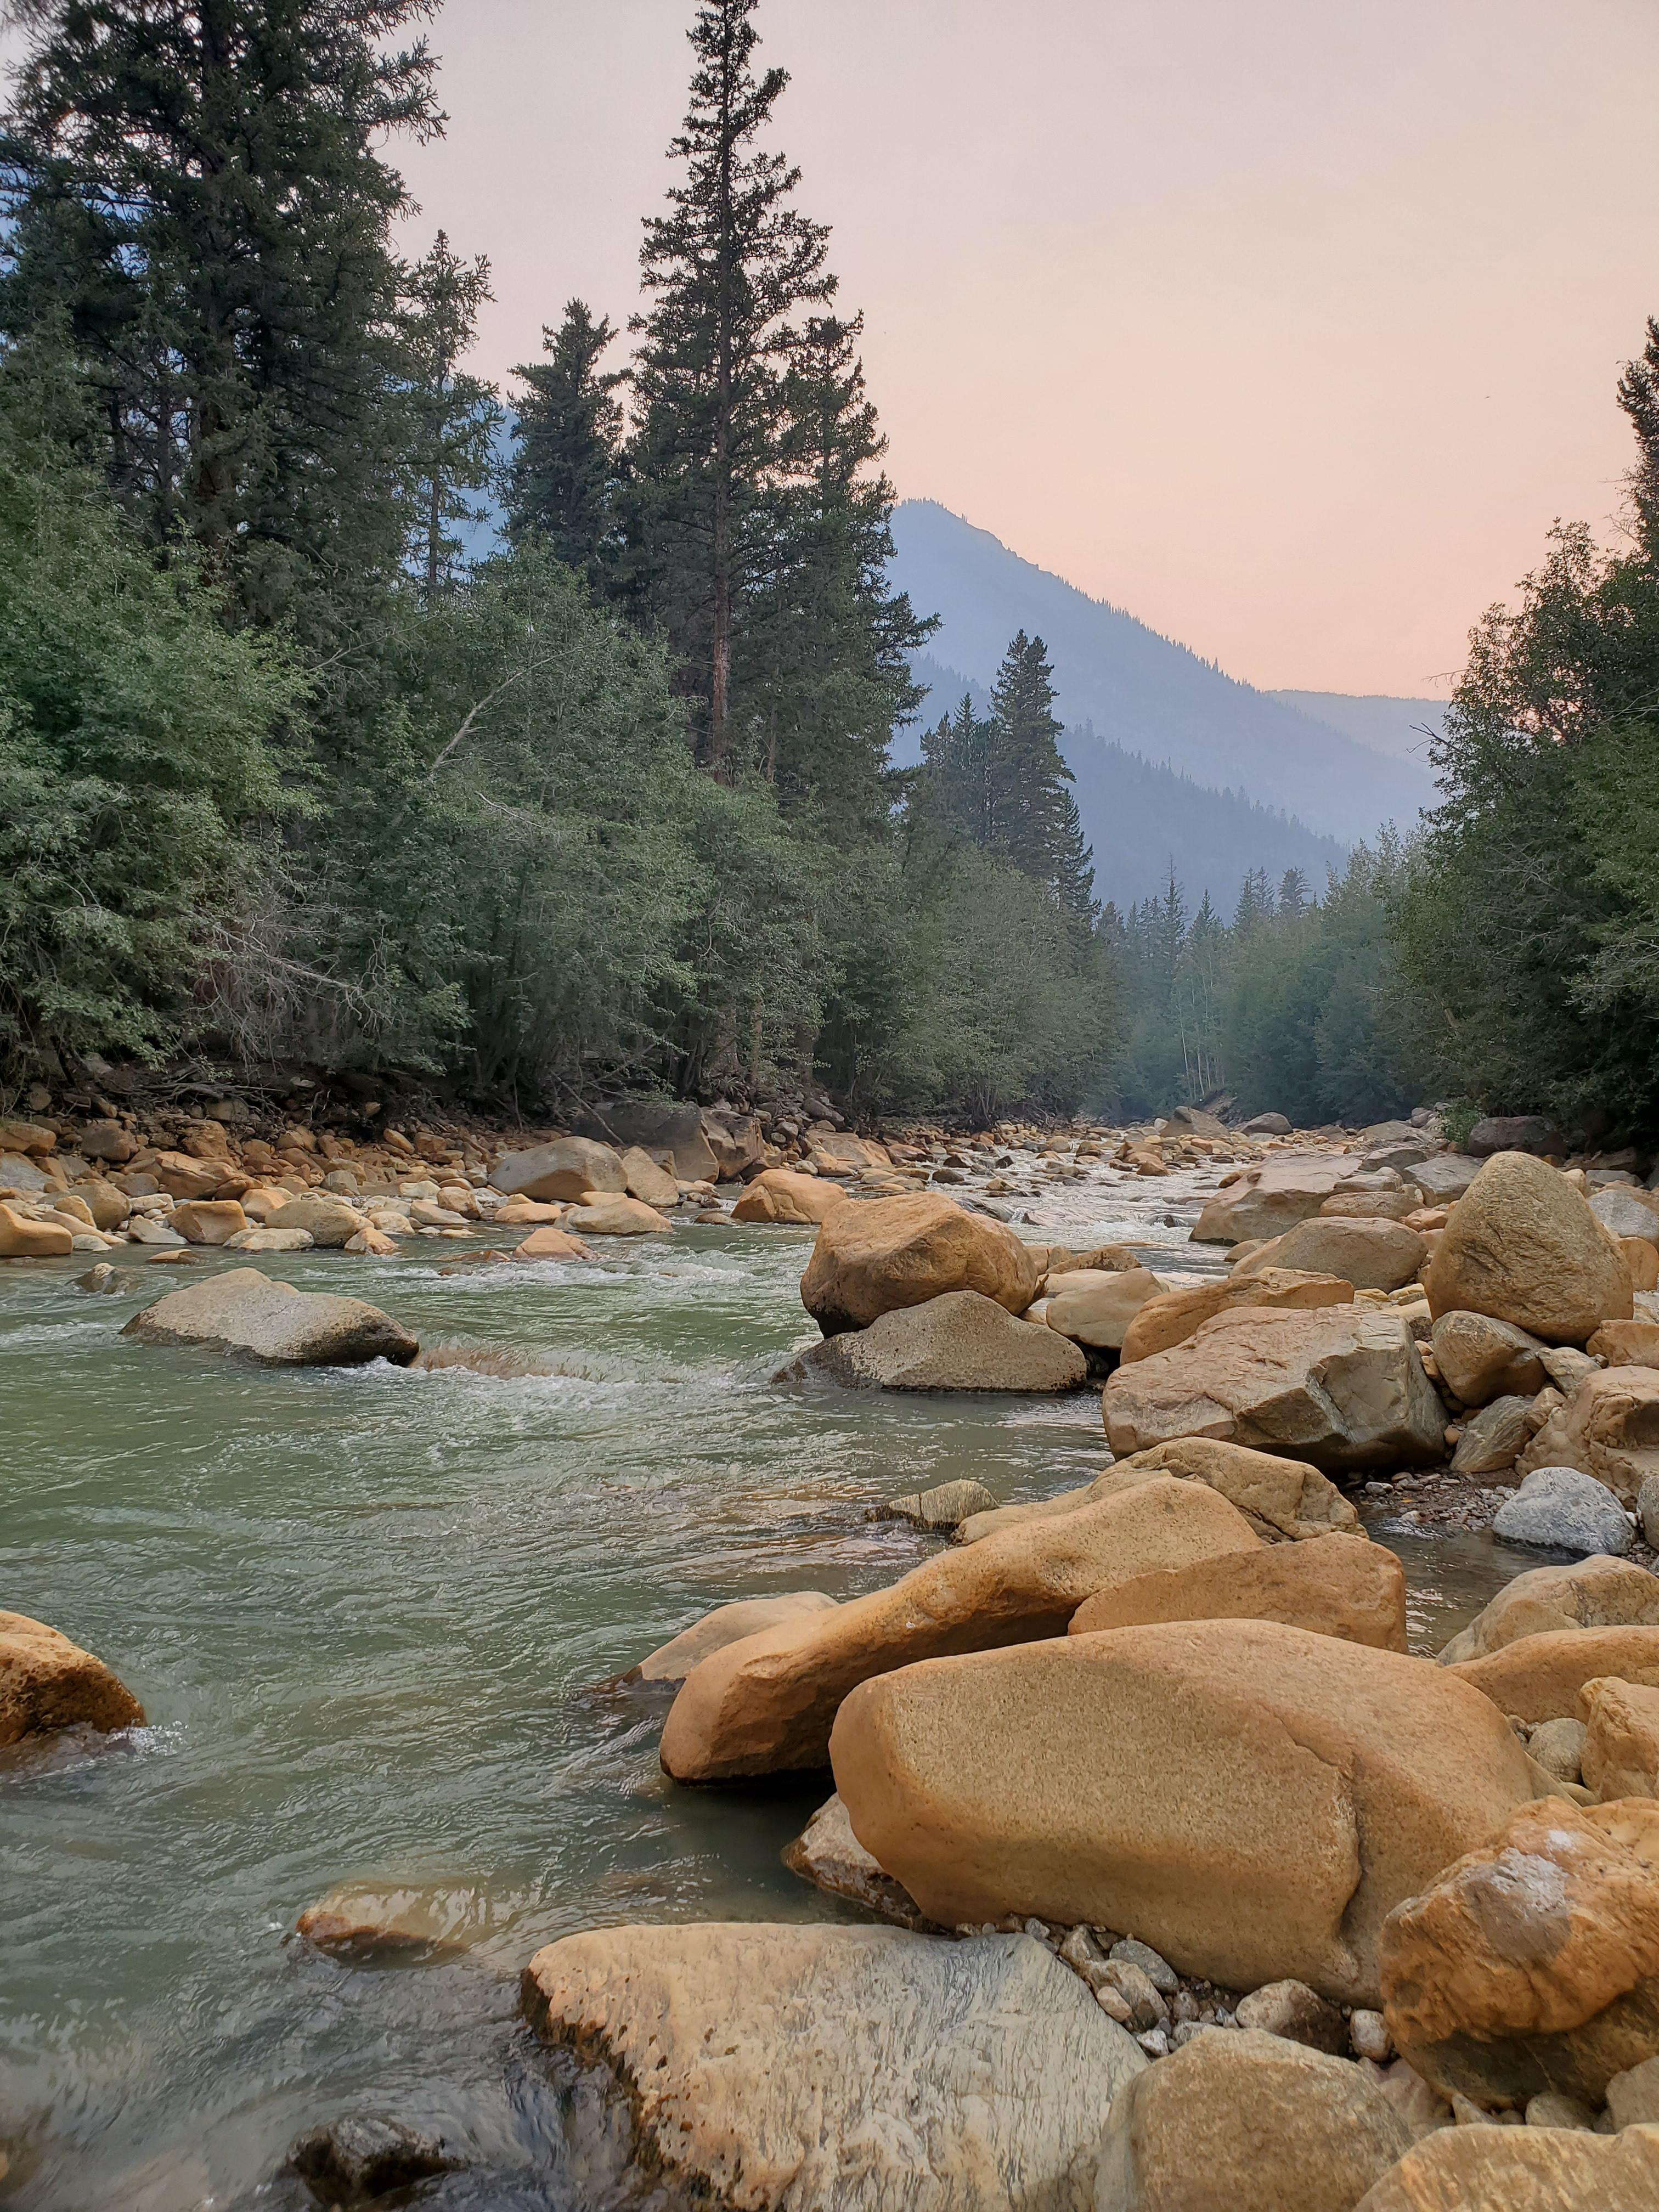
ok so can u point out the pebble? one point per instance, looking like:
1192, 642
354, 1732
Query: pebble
1158, 1972
1368, 2034
1553, 2108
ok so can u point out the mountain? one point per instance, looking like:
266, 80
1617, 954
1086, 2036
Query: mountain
1145, 694
1143, 818
1400, 727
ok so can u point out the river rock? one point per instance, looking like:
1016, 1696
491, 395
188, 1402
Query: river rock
960, 1342
728, 1624
739, 1143
182, 1176
767, 1704
21, 1238
1545, 2169
365, 1920
1343, 1389
602, 1214
244, 1311
829, 1855
1633, 2097
1523, 1246
1516, 1133
1282, 1499
1334, 1585
47, 1682
330, 1222
269, 1240
1609, 1428
780, 1195
365, 2157
1620, 1343
371, 1243
1371, 1204
1249, 1798
1626, 1213
1532, 1963
1444, 1177
830, 2070
1371, 1255
657, 1125
1480, 1358
1164, 1322
144, 1229
1559, 1747
106, 1141
878, 1258
1095, 1307
1249, 2122
569, 1168
1642, 1261
1298, 2014
1620, 1757
1266, 1201
550, 1244
110, 1207
1264, 1125
945, 1506
1494, 1438
1538, 1677
647, 1180
1558, 1507
1599, 1592
209, 1220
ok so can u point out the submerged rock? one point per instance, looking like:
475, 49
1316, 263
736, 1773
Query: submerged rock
365, 1920
244, 1311
828, 2069
46, 1682
946, 1505
362, 2158
959, 1341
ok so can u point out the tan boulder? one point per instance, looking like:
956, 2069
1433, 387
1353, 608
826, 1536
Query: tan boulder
1523, 1246
1494, 1438
728, 1624
208, 1220
1267, 1201
270, 1240
1609, 1428
528, 1213
264, 1202
1532, 1963
1480, 1358
181, 1177
648, 1180
1522, 2170
369, 1243
1095, 1307
1250, 1799
108, 1207
768, 1703
22, 1238
819, 2069
1538, 1677
362, 1921
960, 1342
877, 1258
27, 1137
1282, 1499
1166, 1321
1247, 2121
1332, 1585
243, 1311
1371, 1255
1620, 1757
1642, 1261
47, 1682
600, 1214
330, 1222
779, 1195
1398, 1204
552, 1243
1343, 1389
569, 1168
1594, 1593
1620, 1343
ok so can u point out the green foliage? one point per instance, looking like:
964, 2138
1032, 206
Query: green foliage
563, 480
453, 417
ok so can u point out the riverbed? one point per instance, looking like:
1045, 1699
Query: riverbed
371, 1616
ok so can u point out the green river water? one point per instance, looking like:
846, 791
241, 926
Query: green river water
368, 1615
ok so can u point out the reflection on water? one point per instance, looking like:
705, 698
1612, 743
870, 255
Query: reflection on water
1450, 1577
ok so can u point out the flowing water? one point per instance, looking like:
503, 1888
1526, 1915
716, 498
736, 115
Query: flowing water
371, 1616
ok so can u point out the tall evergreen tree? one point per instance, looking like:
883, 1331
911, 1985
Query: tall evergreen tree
726, 268
196, 184
564, 475
1034, 816
455, 416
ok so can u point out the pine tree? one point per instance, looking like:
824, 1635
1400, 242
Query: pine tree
1638, 395
954, 791
195, 185
564, 476
454, 417
1294, 896
727, 267
1256, 904
1034, 818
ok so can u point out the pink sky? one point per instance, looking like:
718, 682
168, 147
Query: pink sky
1288, 324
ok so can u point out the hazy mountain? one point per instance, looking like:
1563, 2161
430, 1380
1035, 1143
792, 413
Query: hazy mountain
1145, 694
1398, 727
1142, 818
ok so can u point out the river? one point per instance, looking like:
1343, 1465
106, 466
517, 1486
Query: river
370, 1616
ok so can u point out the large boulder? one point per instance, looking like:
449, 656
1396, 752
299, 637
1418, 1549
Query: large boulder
1538, 1677
183, 1176
1266, 1201
1333, 1585
728, 1624
1516, 1133
1444, 1177
1164, 1322
1620, 1755
605, 1213
1480, 1358
1532, 1962
828, 2070
1624, 1213
1494, 1438
22, 1238
1560, 1509
210, 1220
1250, 2123
657, 1125
244, 1311
329, 1221
769, 1703
1371, 1254
1251, 1799
1531, 2169
1284, 1500
47, 1682
1620, 1343
1609, 1428
1594, 1593
648, 1180
1344, 1389
960, 1342
1523, 1246
569, 1168
780, 1195
873, 1258
737, 1142
108, 1207
1095, 1306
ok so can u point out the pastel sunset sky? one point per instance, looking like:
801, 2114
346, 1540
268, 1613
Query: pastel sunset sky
1288, 324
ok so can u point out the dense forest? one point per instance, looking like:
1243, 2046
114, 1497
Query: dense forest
285, 778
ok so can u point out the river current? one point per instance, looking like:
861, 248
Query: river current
371, 1616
